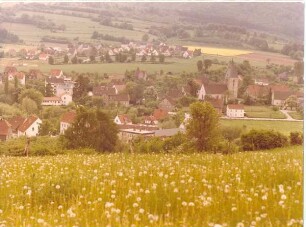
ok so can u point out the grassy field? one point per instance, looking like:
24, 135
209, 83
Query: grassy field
174, 65
219, 51
282, 126
296, 115
244, 189
263, 112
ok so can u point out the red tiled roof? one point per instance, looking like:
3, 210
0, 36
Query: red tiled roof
10, 69
20, 75
55, 72
257, 90
214, 88
279, 87
4, 127
103, 90
120, 98
235, 106
15, 122
216, 103
68, 117
124, 119
27, 123
160, 114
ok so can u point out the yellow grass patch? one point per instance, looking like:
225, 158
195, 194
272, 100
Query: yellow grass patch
219, 51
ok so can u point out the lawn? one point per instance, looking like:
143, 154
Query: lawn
296, 115
263, 112
244, 189
282, 126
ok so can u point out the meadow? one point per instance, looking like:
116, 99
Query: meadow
219, 51
244, 189
263, 112
284, 127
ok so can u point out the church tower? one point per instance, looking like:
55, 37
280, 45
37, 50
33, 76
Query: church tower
232, 80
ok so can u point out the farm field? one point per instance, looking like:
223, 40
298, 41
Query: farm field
284, 127
263, 56
219, 51
263, 112
246, 189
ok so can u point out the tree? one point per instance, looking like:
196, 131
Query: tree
291, 101
299, 70
66, 59
108, 58
47, 128
200, 65
145, 38
32, 94
207, 63
143, 58
80, 88
193, 87
102, 58
135, 91
16, 82
92, 58
29, 105
92, 129
49, 90
161, 58
74, 60
152, 59
203, 126
51, 60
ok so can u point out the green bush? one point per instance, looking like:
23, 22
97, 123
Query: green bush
262, 139
296, 138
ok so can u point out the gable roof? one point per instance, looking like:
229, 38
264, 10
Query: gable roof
54, 80
160, 114
235, 106
4, 127
283, 95
10, 69
103, 90
27, 123
15, 122
68, 117
216, 103
215, 88
54, 98
255, 90
55, 72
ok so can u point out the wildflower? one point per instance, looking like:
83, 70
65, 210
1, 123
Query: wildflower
21, 207
240, 224
135, 205
184, 203
234, 209
1, 211
60, 207
218, 225
40, 220
264, 197
57, 186
191, 204
141, 211
283, 197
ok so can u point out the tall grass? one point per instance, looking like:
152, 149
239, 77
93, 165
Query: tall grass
244, 189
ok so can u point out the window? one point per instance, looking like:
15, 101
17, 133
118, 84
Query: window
33, 129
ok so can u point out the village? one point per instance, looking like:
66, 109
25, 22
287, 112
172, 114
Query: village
59, 89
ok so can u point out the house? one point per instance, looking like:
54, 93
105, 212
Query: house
120, 99
213, 90
160, 114
263, 82
5, 130
217, 104
21, 77
235, 110
119, 88
64, 100
187, 54
10, 71
60, 85
57, 73
43, 57
15, 122
167, 104
122, 119
30, 127
129, 135
258, 92
279, 97
150, 120
66, 120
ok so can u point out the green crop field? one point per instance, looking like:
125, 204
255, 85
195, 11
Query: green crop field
244, 189
296, 115
263, 112
282, 126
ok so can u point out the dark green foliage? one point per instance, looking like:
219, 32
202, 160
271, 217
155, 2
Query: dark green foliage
200, 65
49, 90
161, 58
66, 59
91, 129
203, 126
296, 138
33, 94
80, 89
74, 60
262, 140
47, 128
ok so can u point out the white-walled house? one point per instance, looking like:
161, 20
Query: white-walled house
66, 121
63, 100
122, 120
30, 127
235, 110
66, 99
